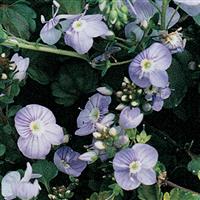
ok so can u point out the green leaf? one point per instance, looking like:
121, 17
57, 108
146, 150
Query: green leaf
197, 19
13, 110
101, 196
18, 18
178, 84
177, 194
72, 82
3, 35
38, 75
151, 192
194, 165
2, 149
71, 7
48, 171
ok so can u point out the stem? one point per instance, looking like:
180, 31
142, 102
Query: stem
163, 14
171, 184
17, 42
121, 63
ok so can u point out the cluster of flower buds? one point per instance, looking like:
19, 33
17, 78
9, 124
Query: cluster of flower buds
116, 12
4, 66
147, 99
60, 193
129, 95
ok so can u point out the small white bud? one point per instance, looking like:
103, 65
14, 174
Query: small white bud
99, 145
144, 24
123, 84
96, 135
134, 103
124, 98
101, 127
3, 55
119, 94
66, 139
4, 76
120, 107
89, 156
113, 131
126, 80
105, 91
42, 19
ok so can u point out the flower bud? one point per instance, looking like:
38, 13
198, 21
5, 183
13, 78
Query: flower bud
66, 139
101, 127
99, 145
96, 135
12, 66
105, 91
134, 103
113, 16
3, 55
146, 107
4, 76
126, 80
119, 94
120, 107
113, 132
89, 156
124, 98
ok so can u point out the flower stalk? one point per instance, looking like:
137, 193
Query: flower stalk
17, 42
163, 14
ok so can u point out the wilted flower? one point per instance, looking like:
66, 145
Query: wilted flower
21, 66
174, 41
191, 7
130, 118
95, 112
149, 67
13, 186
133, 166
38, 130
80, 31
68, 162
49, 34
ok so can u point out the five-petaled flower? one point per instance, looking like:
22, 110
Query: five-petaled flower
38, 130
133, 166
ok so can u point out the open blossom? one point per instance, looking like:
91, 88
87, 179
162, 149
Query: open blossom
149, 67
81, 30
191, 7
21, 66
157, 96
38, 130
130, 118
49, 33
96, 111
68, 162
133, 166
13, 186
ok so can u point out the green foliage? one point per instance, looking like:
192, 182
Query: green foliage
197, 19
177, 194
38, 75
71, 7
73, 81
48, 171
101, 196
18, 18
2, 149
194, 166
178, 84
152, 192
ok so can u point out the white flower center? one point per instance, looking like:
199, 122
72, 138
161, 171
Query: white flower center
94, 114
65, 164
36, 127
135, 166
79, 25
146, 64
